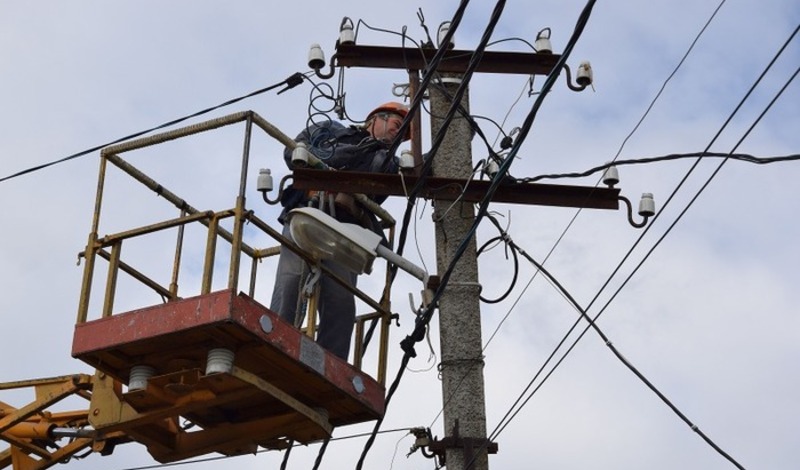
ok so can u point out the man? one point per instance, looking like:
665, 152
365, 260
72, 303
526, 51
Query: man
342, 148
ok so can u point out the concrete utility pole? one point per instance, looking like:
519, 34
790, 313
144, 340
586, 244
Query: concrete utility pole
453, 191
459, 307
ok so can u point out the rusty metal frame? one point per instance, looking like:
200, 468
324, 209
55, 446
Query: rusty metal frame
110, 247
28, 430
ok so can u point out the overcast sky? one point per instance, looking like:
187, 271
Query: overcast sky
710, 317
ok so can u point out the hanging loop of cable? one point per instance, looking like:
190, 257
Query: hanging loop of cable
509, 247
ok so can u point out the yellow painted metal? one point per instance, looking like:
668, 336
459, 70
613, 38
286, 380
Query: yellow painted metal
159, 405
91, 247
313, 415
211, 251
176, 263
111, 282
151, 416
27, 429
129, 270
236, 244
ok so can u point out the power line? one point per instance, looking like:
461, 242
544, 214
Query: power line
291, 82
669, 77
262, 451
592, 324
635, 128
743, 157
425, 316
416, 102
680, 216
579, 211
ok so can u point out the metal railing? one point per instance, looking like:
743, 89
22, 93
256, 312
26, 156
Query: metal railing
109, 247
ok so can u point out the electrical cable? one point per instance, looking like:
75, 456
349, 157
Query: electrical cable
592, 324
285, 460
675, 222
664, 85
448, 118
594, 319
451, 113
673, 156
552, 77
645, 114
574, 218
291, 82
579, 211
508, 113
381, 30
425, 316
516, 267
225, 457
321, 453
531, 46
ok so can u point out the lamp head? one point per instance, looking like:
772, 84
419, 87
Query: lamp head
325, 238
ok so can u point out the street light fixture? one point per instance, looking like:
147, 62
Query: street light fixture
350, 245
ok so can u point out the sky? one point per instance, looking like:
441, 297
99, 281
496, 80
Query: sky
703, 302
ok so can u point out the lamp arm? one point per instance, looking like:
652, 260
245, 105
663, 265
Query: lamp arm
403, 263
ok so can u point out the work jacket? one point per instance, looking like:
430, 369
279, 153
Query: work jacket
341, 148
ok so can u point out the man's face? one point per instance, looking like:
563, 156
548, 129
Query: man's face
384, 126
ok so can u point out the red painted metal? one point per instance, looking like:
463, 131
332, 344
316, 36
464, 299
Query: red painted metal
178, 335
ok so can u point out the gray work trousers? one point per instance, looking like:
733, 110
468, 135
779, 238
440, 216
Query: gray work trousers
336, 305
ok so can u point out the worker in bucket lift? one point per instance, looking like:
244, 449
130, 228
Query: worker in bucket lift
354, 148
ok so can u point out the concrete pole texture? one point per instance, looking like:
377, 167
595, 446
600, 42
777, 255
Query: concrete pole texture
459, 308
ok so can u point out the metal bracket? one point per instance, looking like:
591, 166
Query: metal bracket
439, 447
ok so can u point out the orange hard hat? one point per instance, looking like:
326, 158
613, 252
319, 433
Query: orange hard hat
393, 107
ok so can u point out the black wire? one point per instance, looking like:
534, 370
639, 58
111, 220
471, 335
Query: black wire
381, 30
285, 460
579, 211
225, 457
458, 15
493, 43
291, 82
424, 318
376, 429
674, 156
664, 85
592, 324
321, 453
503, 169
647, 111
416, 103
680, 216
439, 138
471, 119
516, 266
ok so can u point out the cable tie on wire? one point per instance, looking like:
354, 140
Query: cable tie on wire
407, 345
291, 82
